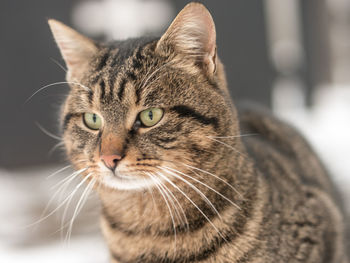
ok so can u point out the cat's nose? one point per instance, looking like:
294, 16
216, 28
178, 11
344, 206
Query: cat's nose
111, 161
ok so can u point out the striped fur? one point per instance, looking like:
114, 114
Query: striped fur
223, 197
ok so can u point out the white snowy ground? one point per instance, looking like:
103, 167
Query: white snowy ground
23, 197
25, 193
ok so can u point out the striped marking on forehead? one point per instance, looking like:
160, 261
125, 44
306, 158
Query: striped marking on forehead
117, 55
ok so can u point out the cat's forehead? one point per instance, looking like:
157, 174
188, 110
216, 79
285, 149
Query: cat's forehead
117, 54
120, 51
118, 65
120, 59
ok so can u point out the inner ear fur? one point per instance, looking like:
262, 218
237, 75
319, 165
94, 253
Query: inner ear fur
76, 49
192, 33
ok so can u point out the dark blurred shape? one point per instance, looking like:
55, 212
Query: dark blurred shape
25, 66
315, 31
241, 41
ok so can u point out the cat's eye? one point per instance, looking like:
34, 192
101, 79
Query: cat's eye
92, 121
151, 116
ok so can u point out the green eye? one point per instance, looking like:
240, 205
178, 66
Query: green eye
92, 121
151, 116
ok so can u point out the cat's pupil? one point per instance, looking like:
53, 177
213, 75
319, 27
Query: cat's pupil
94, 117
150, 115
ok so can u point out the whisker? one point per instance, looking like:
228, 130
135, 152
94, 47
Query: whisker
57, 172
217, 177
215, 191
76, 173
59, 206
194, 204
151, 192
175, 208
64, 225
56, 83
59, 64
235, 136
197, 174
67, 203
153, 73
78, 207
206, 172
194, 188
68, 180
88, 194
180, 206
171, 197
66, 184
227, 145
157, 181
99, 185
146, 75
47, 132
54, 148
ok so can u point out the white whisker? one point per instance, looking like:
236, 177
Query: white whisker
57, 172
78, 207
215, 191
193, 203
59, 206
217, 177
157, 182
153, 73
68, 181
171, 199
54, 148
47, 132
71, 177
236, 136
192, 168
197, 174
151, 192
76, 173
180, 206
194, 188
68, 200
56, 83
227, 145
58, 64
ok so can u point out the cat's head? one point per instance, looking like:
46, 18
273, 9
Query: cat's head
142, 111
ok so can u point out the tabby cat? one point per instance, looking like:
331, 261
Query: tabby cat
182, 176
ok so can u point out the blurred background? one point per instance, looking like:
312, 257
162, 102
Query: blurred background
292, 56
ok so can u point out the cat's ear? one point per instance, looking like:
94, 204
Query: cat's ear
192, 33
76, 49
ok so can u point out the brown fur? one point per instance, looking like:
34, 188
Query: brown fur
282, 206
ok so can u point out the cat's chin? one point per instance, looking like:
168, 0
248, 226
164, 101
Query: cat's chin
121, 182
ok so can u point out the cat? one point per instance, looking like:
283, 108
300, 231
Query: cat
182, 175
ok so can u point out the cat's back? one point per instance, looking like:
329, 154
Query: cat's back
304, 214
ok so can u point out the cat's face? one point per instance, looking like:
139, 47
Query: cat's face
143, 111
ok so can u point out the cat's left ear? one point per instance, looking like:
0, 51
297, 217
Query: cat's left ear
192, 33
76, 49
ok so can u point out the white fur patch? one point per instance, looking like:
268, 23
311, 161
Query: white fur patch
126, 182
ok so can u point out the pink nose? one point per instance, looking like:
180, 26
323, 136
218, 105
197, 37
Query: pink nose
111, 160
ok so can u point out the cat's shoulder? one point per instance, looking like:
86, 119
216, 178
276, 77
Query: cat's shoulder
272, 136
259, 120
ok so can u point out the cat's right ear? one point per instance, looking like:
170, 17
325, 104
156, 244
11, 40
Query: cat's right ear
76, 49
192, 33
